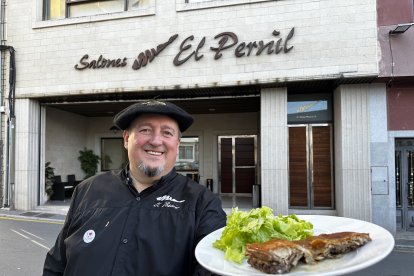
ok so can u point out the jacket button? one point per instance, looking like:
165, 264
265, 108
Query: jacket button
138, 198
124, 240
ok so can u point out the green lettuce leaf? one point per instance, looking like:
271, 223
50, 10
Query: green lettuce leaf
258, 225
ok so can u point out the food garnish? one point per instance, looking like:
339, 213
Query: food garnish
255, 226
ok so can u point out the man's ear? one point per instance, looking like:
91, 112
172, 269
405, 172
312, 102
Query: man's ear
125, 135
178, 146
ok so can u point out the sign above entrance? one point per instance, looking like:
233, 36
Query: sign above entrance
228, 43
309, 108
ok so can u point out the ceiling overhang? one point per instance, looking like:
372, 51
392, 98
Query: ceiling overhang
232, 99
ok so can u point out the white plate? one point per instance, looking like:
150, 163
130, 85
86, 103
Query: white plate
381, 245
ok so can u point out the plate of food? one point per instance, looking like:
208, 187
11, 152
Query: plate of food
337, 246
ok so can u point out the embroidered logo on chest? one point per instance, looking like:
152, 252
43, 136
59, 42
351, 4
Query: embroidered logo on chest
167, 201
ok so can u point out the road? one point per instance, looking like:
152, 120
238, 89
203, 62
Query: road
24, 244
399, 263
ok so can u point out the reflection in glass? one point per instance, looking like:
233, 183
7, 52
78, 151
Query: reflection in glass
113, 154
187, 162
100, 7
55, 9
188, 156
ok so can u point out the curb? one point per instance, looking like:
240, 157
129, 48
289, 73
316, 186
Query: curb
404, 244
404, 248
36, 218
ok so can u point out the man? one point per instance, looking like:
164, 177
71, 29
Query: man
145, 219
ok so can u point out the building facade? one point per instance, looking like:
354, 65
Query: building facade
291, 98
396, 37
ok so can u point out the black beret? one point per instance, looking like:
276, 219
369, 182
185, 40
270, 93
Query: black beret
124, 118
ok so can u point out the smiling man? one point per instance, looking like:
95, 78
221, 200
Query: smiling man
145, 219
152, 142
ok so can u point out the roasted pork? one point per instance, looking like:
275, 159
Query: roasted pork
280, 256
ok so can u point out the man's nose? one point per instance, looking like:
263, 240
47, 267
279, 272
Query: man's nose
156, 138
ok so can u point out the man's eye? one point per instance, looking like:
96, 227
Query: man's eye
145, 131
168, 134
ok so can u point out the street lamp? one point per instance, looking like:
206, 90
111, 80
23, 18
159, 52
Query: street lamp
401, 28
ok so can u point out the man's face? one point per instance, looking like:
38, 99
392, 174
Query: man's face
152, 142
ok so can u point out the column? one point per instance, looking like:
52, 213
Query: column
26, 154
352, 151
274, 149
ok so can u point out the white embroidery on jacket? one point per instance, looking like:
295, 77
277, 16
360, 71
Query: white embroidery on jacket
167, 201
168, 198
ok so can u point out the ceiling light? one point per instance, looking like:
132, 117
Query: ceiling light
114, 129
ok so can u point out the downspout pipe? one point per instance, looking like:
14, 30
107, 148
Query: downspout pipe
11, 123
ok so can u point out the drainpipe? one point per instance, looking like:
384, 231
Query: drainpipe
11, 123
4, 195
9, 179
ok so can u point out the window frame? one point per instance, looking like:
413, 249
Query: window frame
43, 20
69, 3
186, 5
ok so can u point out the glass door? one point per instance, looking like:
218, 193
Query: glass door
311, 166
404, 184
237, 169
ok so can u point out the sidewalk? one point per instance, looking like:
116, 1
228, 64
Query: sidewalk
404, 241
57, 210
52, 210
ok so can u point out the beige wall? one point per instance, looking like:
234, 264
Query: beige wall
65, 135
331, 37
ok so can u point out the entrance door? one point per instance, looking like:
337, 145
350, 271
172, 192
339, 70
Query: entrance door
237, 169
310, 166
404, 184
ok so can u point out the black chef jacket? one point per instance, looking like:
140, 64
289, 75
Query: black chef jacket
111, 229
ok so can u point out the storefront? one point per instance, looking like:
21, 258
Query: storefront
394, 186
282, 93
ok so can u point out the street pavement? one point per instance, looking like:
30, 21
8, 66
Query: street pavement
24, 243
400, 262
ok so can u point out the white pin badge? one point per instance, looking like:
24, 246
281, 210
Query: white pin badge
89, 236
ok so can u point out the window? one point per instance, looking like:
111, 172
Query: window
113, 154
58, 9
187, 159
186, 152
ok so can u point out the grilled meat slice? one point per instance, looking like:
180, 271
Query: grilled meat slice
330, 246
280, 256
275, 256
